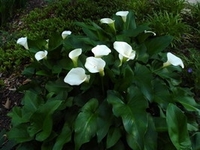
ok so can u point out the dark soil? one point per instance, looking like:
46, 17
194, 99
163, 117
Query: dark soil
9, 82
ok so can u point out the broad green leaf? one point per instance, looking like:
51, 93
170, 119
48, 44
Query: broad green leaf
31, 101
158, 44
127, 78
162, 94
63, 137
55, 41
90, 31
86, 123
177, 128
41, 120
19, 134
28, 71
143, 79
113, 136
104, 120
130, 21
136, 31
182, 96
16, 116
195, 141
160, 124
130, 112
150, 137
57, 86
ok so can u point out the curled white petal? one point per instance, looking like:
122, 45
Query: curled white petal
23, 41
65, 34
100, 50
75, 53
124, 49
173, 60
76, 76
123, 14
147, 31
107, 21
95, 65
41, 55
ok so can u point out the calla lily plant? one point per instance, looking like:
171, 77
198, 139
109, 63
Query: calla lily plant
105, 90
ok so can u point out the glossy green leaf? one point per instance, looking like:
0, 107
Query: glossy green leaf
113, 136
127, 78
130, 21
182, 96
86, 123
19, 134
130, 112
160, 124
57, 86
177, 128
158, 44
42, 120
17, 117
31, 101
143, 79
64, 137
104, 120
195, 141
150, 137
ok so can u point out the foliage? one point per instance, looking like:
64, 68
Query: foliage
8, 7
191, 74
61, 15
4, 145
170, 24
124, 94
166, 5
12, 59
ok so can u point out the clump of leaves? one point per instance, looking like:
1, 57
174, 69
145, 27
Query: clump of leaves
166, 5
112, 88
165, 23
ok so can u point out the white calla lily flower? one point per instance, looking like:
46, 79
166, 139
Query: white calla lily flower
23, 41
147, 31
108, 21
76, 76
123, 14
65, 34
100, 50
73, 55
41, 55
95, 65
173, 60
125, 51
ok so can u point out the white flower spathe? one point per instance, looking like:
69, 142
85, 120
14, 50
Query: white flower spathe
123, 14
107, 21
76, 76
74, 54
100, 50
41, 55
65, 34
95, 65
147, 31
125, 50
23, 41
173, 60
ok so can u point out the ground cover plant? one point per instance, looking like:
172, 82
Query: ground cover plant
114, 87
45, 77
